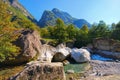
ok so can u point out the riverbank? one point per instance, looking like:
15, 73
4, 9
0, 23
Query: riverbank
103, 70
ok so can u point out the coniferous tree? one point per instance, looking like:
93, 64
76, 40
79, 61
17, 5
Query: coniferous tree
60, 31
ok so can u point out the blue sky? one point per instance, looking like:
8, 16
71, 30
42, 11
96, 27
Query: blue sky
91, 10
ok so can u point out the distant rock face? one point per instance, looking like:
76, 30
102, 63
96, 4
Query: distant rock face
49, 18
41, 71
107, 44
80, 55
30, 45
62, 52
80, 22
67, 18
17, 5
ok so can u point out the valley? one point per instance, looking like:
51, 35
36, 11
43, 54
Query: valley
58, 46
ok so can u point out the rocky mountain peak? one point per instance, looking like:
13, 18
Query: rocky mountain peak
55, 10
49, 18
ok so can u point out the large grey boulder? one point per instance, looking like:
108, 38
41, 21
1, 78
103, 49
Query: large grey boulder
80, 55
62, 52
47, 53
41, 71
29, 42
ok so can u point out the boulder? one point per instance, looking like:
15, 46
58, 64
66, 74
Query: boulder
106, 44
47, 53
70, 71
29, 42
62, 52
65, 62
80, 55
41, 71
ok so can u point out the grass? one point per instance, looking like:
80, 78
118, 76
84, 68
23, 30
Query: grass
52, 42
7, 72
48, 40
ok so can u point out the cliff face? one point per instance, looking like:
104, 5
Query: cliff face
49, 18
18, 6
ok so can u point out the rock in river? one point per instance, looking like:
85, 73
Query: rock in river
62, 52
80, 55
47, 53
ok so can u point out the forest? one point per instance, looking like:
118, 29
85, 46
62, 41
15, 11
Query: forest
81, 36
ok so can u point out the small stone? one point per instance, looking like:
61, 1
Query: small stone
71, 78
70, 72
66, 62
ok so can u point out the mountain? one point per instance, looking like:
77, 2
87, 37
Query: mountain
81, 22
17, 14
17, 5
67, 18
49, 18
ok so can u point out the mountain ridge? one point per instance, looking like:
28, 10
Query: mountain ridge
16, 4
49, 18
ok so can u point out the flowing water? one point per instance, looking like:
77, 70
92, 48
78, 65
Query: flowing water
101, 58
